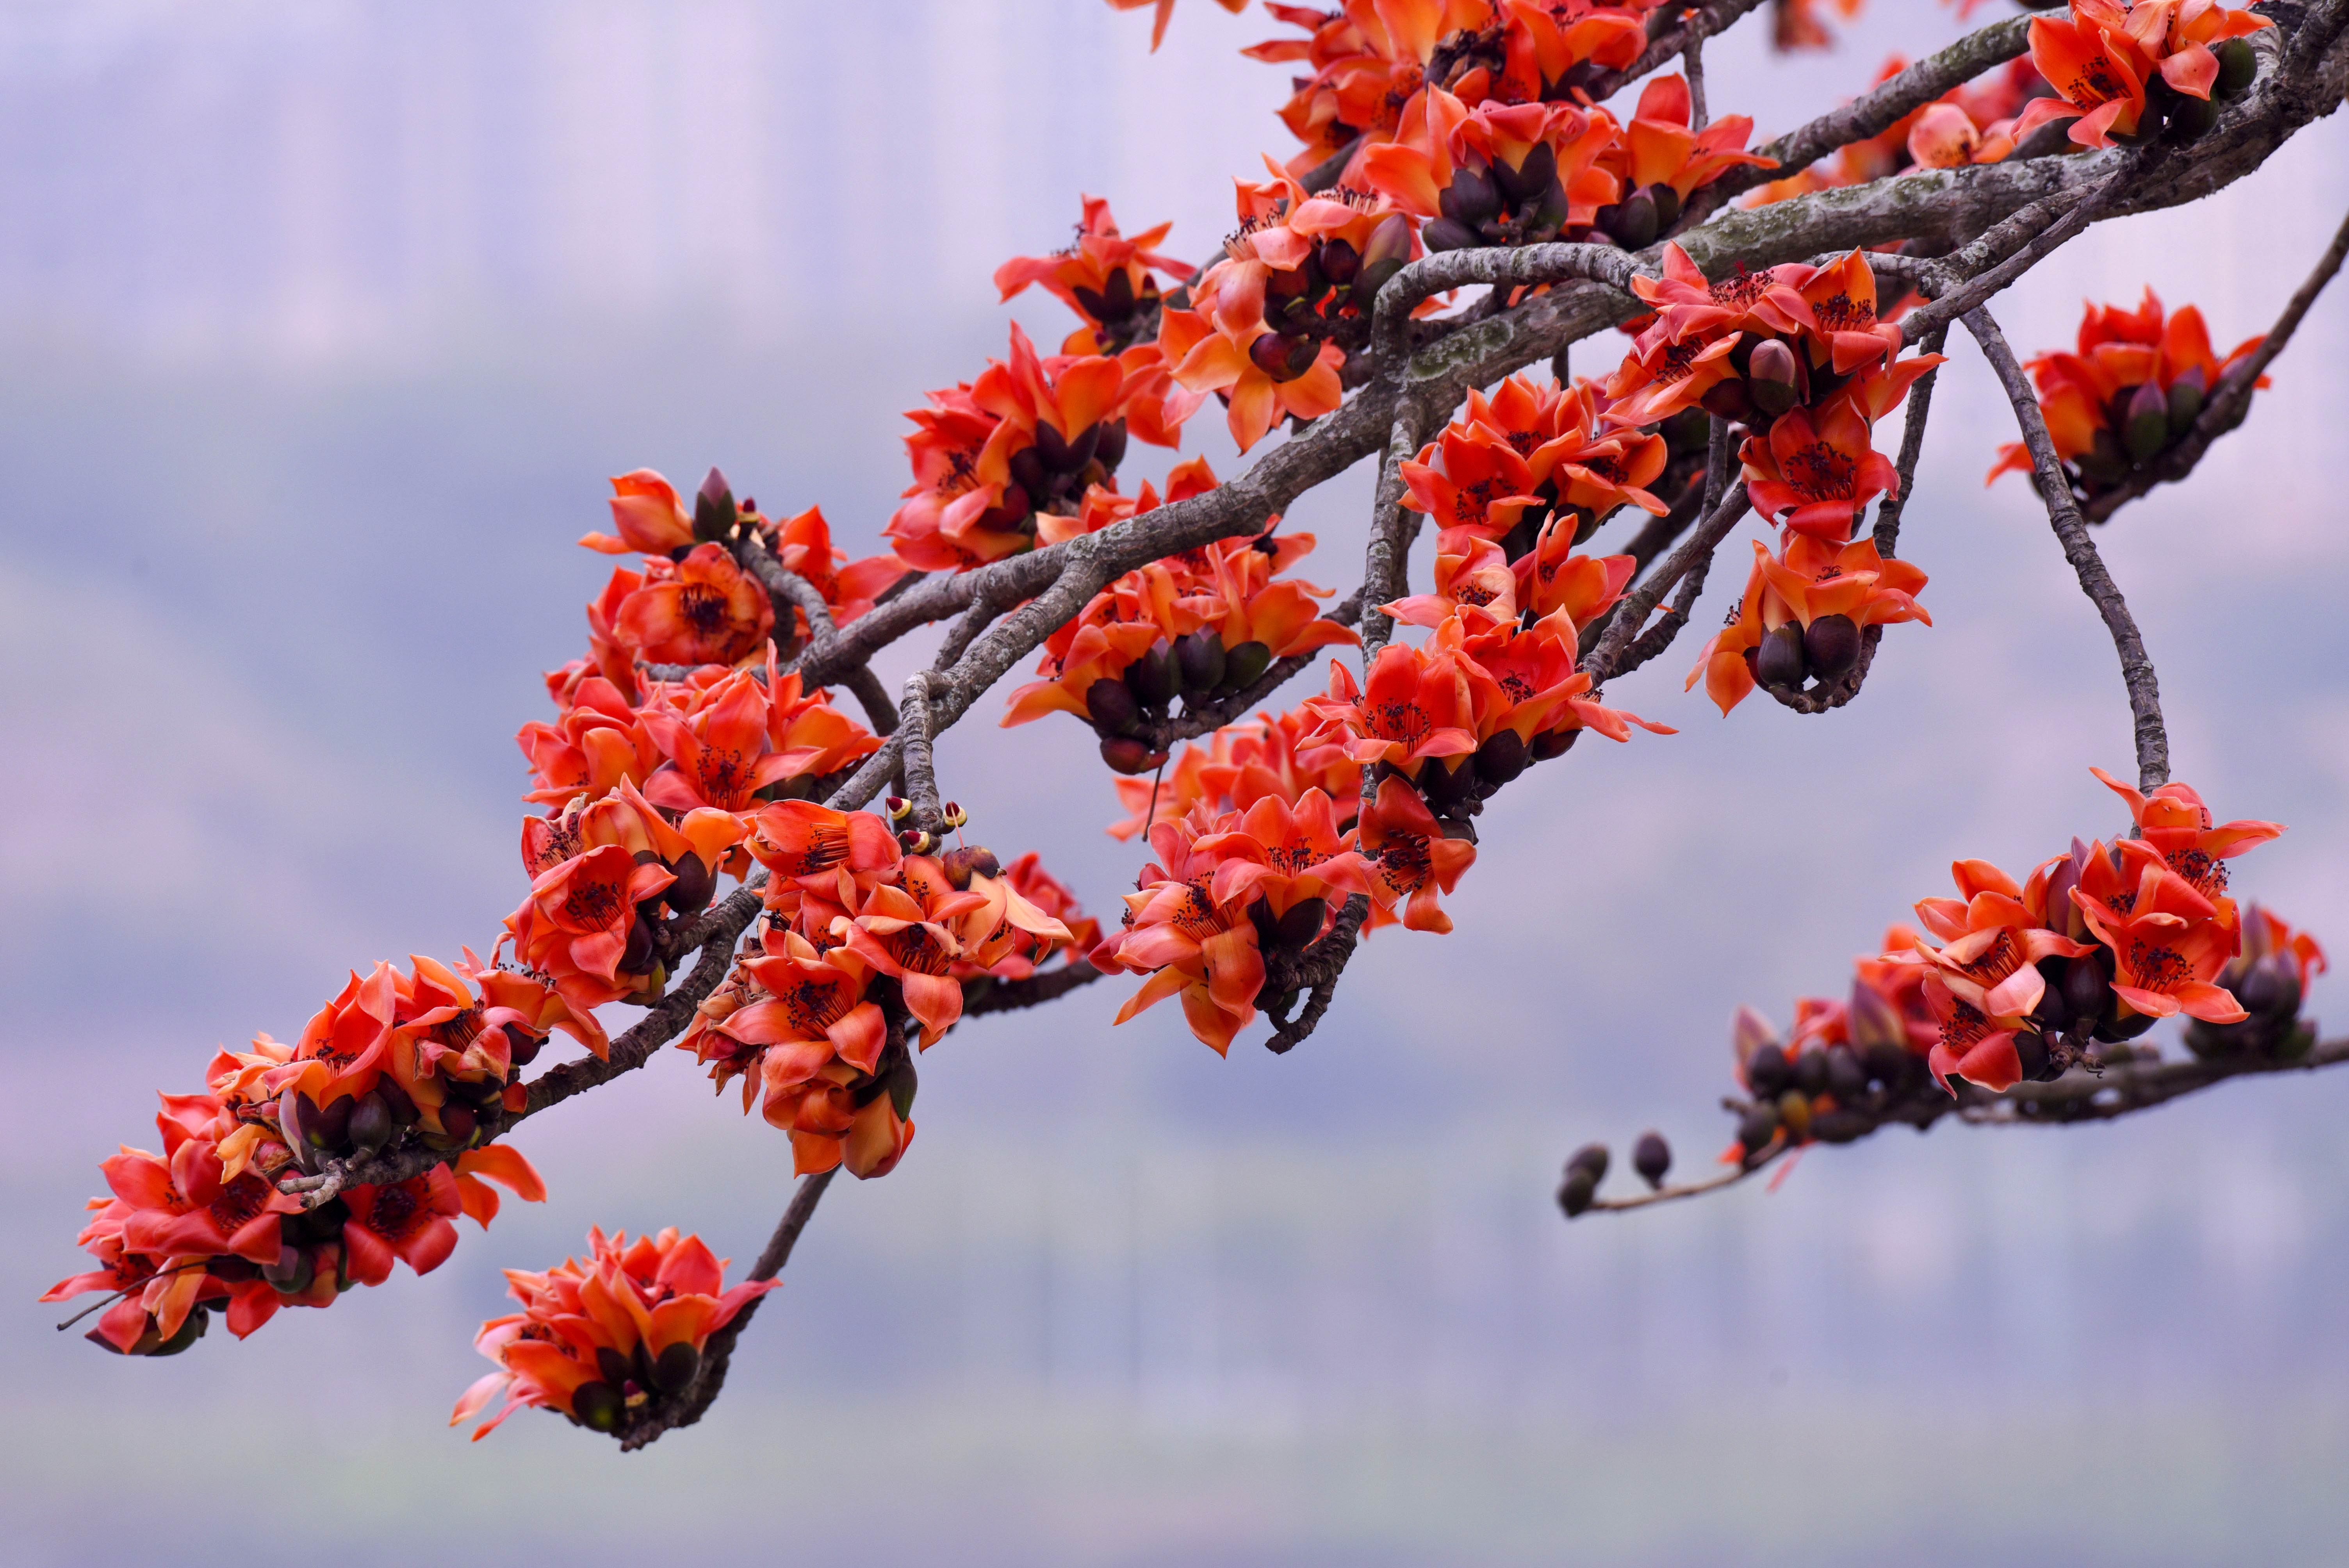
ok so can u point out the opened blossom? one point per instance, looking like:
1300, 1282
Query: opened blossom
600, 1339
1850, 587
1276, 756
1107, 278
2103, 57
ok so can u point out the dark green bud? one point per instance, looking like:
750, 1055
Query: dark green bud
2237, 65
597, 1406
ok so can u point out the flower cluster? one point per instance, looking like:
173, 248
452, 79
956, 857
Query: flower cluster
1027, 438
2133, 387
1273, 757
611, 1341
1203, 625
2125, 68
1973, 122
1106, 278
431, 1058
1839, 1056
856, 937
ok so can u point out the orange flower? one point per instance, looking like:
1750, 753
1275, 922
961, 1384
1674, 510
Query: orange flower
719, 742
1166, 12
2168, 944
2178, 827
1272, 756
582, 927
1816, 473
596, 1340
1814, 580
1411, 860
1991, 944
2135, 387
1417, 710
709, 612
2102, 57
909, 933
1103, 276
1468, 477
1504, 174
803, 544
1657, 149
650, 518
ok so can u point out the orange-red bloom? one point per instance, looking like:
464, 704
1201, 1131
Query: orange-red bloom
1809, 583
1103, 276
599, 1339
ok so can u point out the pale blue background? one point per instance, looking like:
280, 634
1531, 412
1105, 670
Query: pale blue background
321, 325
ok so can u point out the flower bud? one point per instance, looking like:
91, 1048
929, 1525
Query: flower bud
1110, 705
1153, 677
1471, 199
1795, 1114
1728, 400
1810, 1071
1525, 181
1831, 646
597, 1406
2086, 989
1449, 235
675, 1368
1501, 758
2270, 989
617, 1368
1590, 1157
2190, 116
1109, 450
371, 1124
1447, 787
292, 1273
1341, 263
1757, 1127
2237, 65
2030, 1050
1199, 658
1847, 1077
332, 1129
1630, 223
394, 1099
1126, 755
190, 1332
689, 893
1668, 205
2187, 395
1302, 923
1245, 666
1576, 1194
1552, 742
968, 861
1652, 1157
637, 955
713, 507
1779, 661
1772, 379
1767, 1072
2147, 430
2104, 462
297, 1121
459, 1123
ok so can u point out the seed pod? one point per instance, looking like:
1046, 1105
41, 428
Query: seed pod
1846, 1077
1501, 758
713, 507
2186, 397
1772, 379
1110, 704
675, 1368
1831, 646
1576, 1194
1126, 755
1590, 1157
1767, 1072
1245, 666
1153, 676
597, 1406
1668, 205
2271, 988
1890, 1064
370, 1124
1810, 1073
1199, 658
2237, 65
1779, 661
2147, 430
1652, 1157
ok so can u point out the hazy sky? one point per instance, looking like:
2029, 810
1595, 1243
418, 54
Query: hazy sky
325, 324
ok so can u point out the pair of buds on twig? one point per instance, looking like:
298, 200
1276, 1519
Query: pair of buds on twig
918, 840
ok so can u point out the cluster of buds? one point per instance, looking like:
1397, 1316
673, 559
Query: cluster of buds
2123, 70
2269, 979
1844, 1065
2132, 388
1202, 628
1586, 1168
614, 1342
1268, 325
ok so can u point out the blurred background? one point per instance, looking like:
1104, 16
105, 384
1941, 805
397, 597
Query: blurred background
322, 324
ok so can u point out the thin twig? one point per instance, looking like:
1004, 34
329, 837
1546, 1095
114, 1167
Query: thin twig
2063, 514
1606, 660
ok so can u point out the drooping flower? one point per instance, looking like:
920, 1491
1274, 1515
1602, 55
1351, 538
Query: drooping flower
1816, 473
2168, 945
1851, 586
599, 1340
652, 520
1411, 860
1988, 968
2193, 843
1496, 174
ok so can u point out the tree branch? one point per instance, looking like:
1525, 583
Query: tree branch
2095, 581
